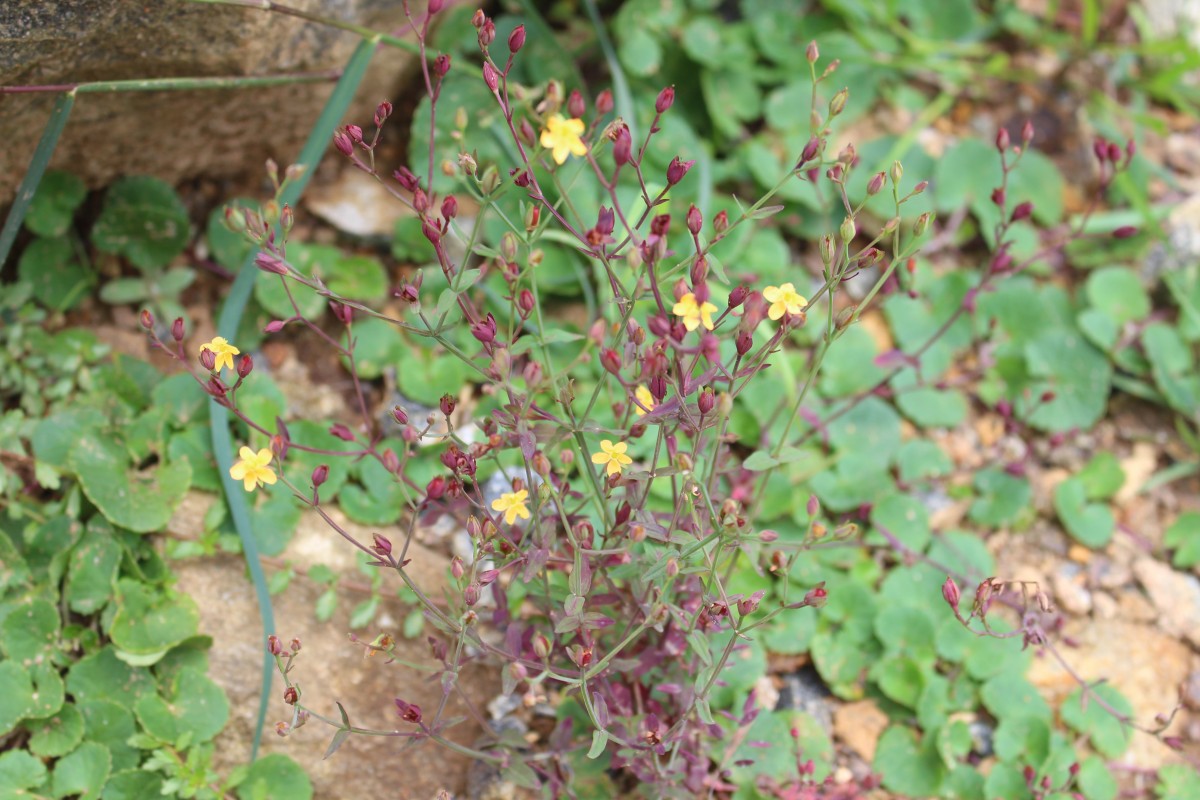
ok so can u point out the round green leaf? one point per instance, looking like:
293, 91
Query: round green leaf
275, 777
19, 770
54, 736
30, 632
356, 278
908, 766
143, 220
1107, 734
148, 621
1091, 524
92, 571
83, 772
103, 676
198, 708
1119, 293
53, 205
140, 501
1184, 537
905, 517
900, 679
1002, 497
16, 695
111, 724
1078, 374
1095, 781
59, 281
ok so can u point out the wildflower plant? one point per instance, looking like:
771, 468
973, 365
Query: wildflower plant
608, 561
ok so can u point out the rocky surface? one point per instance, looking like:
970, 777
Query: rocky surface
176, 135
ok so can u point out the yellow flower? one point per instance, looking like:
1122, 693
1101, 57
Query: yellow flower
562, 137
694, 314
252, 470
223, 350
645, 398
613, 455
513, 505
783, 299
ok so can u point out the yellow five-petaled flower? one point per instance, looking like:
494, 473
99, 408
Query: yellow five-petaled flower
512, 505
645, 398
223, 350
694, 314
252, 469
783, 299
562, 137
613, 455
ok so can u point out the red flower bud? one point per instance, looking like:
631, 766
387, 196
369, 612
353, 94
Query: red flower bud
208, 360
576, 106
695, 220
490, 77
677, 169
487, 33
177, 328
744, 342
1124, 232
876, 183
604, 102
706, 401
441, 65
622, 147
485, 329
381, 545
343, 312
449, 207
147, 320
436, 488
738, 295
343, 144
355, 133
409, 712
290, 695
812, 53
382, 112
665, 99
447, 404
815, 597
274, 645
268, 262
400, 415
407, 180
525, 302
431, 232
516, 39
950, 593
720, 223
1022, 211
611, 360
319, 475
478, 18
810, 151
1027, 132
1002, 140
471, 594
274, 326
341, 431
998, 196
245, 366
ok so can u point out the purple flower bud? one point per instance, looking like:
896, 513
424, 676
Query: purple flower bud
343, 144
875, 184
810, 150
490, 77
485, 329
274, 645
738, 295
441, 65
526, 302
1022, 211
748, 605
431, 232
1027, 132
521, 179
382, 112
677, 169
147, 320
816, 596
290, 695
950, 593
576, 106
269, 262
449, 207
611, 360
1002, 140
341, 431
409, 712
658, 388
542, 645
516, 39
695, 220
294, 645
487, 33
813, 506
400, 415
320, 474
1124, 232
208, 360
812, 53
274, 326
622, 147
381, 545
665, 99
447, 405
471, 594
245, 366
998, 196
177, 328
706, 401
343, 312
355, 133
436, 488
744, 342
604, 102
720, 223
407, 180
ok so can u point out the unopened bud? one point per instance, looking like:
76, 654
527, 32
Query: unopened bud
382, 112
1002, 140
576, 105
208, 360
1125, 232
921, 224
245, 366
812, 52
447, 405
810, 151
1022, 211
274, 645
838, 103
695, 220
541, 645
343, 144
320, 474
516, 39
875, 184
490, 77
177, 327
677, 169
897, 172
950, 593
604, 102
665, 99
341, 431
847, 230
290, 695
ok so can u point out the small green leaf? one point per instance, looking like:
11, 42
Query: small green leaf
53, 206
599, 741
1102, 476
197, 709
1091, 524
83, 772
29, 634
143, 220
360, 278
51, 737
1002, 499
140, 501
19, 770
907, 765
1086, 715
59, 282
125, 291
16, 695
92, 570
326, 604
1183, 536
1118, 292
1095, 780
148, 621
103, 676
760, 461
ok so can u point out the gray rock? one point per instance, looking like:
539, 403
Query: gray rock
177, 135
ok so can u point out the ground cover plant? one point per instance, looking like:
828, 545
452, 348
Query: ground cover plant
639, 372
